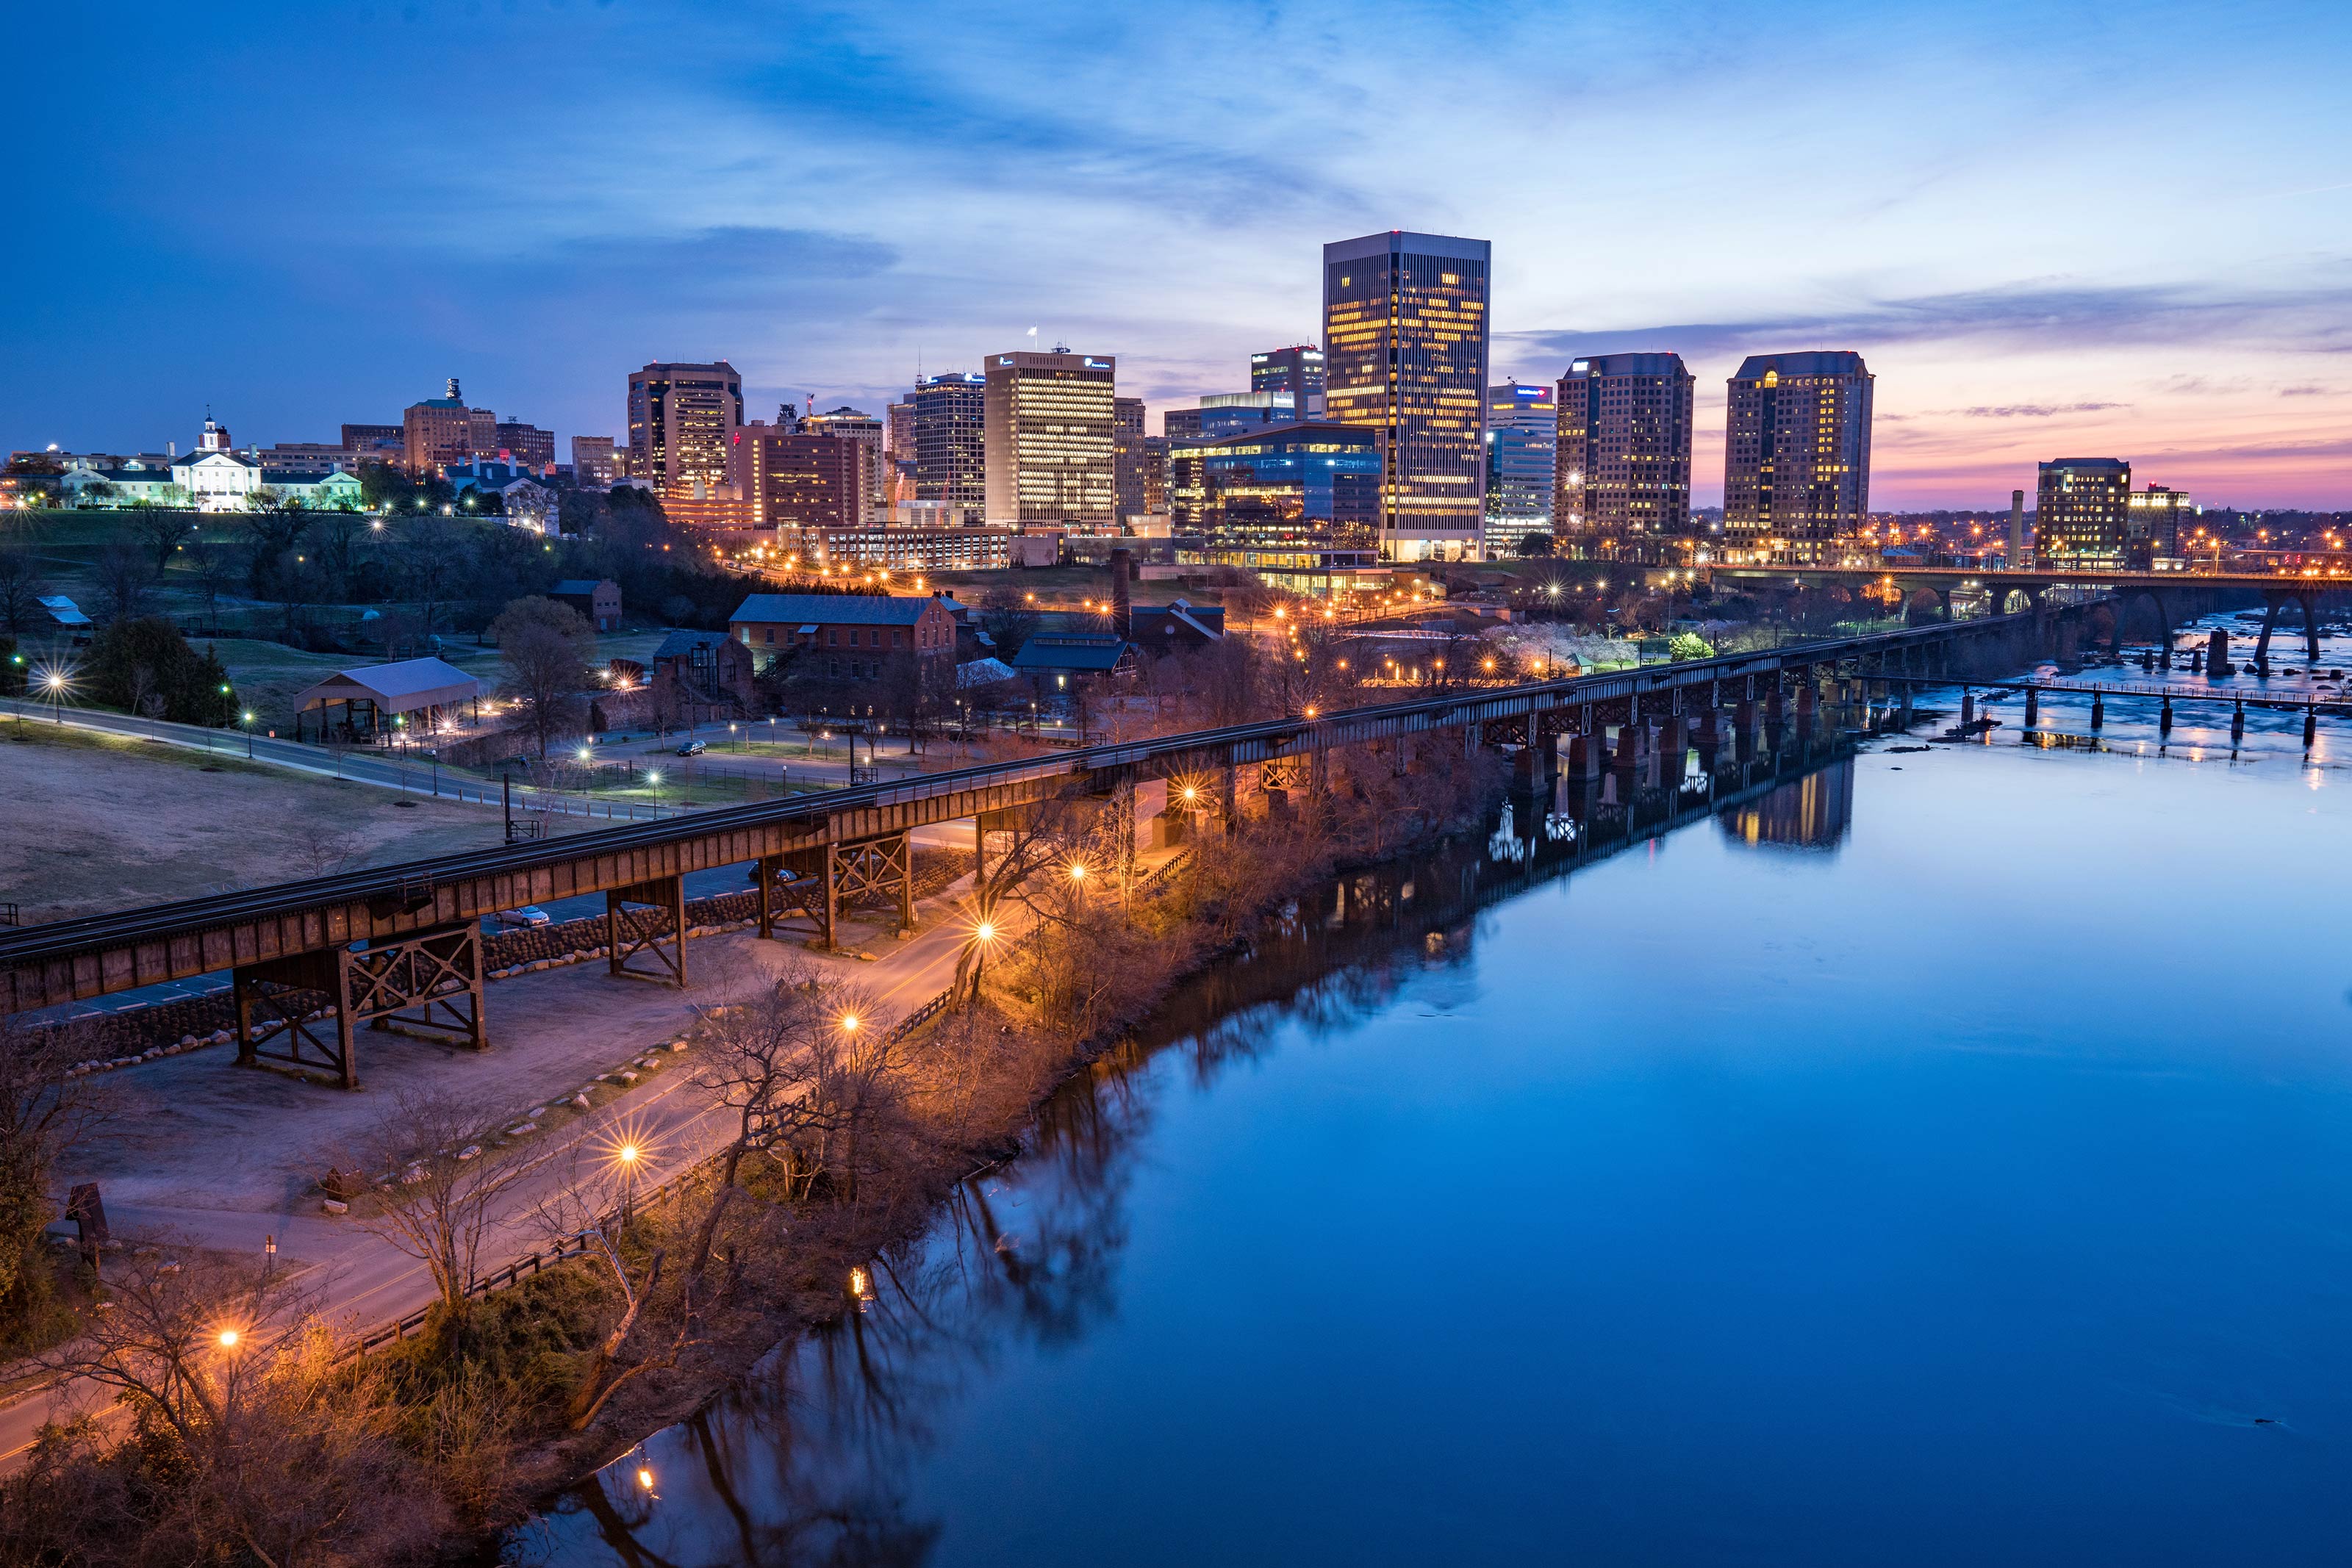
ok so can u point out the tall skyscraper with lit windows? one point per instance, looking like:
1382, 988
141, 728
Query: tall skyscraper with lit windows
1522, 440
1624, 466
682, 422
1052, 439
1796, 454
2081, 511
1404, 343
951, 446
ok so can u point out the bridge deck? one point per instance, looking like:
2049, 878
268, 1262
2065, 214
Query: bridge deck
97, 954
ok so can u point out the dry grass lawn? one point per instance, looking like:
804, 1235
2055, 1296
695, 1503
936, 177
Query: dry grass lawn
94, 822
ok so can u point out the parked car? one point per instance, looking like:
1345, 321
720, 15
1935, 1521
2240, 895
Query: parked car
693, 748
529, 915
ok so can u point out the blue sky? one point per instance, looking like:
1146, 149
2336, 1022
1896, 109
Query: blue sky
2053, 230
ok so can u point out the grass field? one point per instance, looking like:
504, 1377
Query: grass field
109, 822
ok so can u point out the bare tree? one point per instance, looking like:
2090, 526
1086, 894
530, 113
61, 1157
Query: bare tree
44, 1114
162, 532
440, 1176
21, 585
752, 1057
124, 577
430, 563
215, 566
579, 1209
269, 1450
543, 650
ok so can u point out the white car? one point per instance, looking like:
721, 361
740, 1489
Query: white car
529, 915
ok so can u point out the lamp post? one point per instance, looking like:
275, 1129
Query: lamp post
249, 733
653, 777
628, 1154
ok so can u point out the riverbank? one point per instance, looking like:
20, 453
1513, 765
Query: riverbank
465, 1424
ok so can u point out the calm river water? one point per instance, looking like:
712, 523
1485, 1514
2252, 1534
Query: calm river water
1947, 1160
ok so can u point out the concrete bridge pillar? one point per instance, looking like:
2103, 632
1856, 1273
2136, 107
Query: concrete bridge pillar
2164, 718
1584, 756
2032, 706
2310, 728
1673, 748
2271, 602
2310, 603
2098, 709
1630, 738
1968, 707
2237, 722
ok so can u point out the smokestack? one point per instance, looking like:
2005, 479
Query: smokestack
1122, 619
2017, 530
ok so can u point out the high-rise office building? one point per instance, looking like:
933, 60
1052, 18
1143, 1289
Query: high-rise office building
1126, 456
898, 445
442, 430
2081, 511
1298, 370
1522, 439
682, 422
1181, 425
1624, 463
857, 425
592, 462
526, 445
951, 446
1404, 341
376, 443
1051, 439
1308, 486
1237, 413
1155, 474
796, 479
1796, 461
2156, 516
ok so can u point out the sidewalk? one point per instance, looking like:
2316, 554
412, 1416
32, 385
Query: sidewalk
223, 1158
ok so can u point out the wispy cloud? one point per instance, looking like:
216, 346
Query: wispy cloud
2032, 410
2037, 315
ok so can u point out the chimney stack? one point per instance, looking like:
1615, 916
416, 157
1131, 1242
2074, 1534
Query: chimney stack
1122, 619
2017, 530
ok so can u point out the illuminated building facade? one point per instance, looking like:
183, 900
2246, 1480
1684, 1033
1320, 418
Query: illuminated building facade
2081, 511
1522, 440
857, 425
1404, 341
682, 422
1126, 456
951, 433
1624, 464
525, 446
798, 480
898, 446
592, 462
2156, 517
1050, 446
1796, 461
1298, 370
441, 430
1297, 486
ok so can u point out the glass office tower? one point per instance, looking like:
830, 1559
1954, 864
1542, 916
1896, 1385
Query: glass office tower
1404, 343
1522, 436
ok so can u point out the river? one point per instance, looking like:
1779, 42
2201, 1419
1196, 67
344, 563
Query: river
1941, 1158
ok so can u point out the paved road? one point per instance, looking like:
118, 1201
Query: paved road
365, 1284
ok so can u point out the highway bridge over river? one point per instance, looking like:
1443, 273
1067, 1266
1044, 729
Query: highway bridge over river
400, 945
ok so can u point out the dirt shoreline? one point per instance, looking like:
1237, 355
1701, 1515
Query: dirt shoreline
556, 1464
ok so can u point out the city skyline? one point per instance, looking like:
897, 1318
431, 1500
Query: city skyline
783, 213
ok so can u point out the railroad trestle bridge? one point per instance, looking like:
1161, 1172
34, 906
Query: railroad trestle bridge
400, 946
